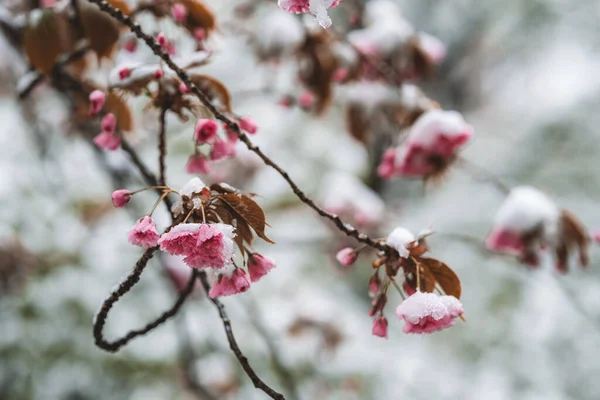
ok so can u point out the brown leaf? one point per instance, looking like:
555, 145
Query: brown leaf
213, 88
320, 66
46, 36
199, 16
116, 105
219, 188
99, 28
446, 278
121, 5
358, 123
249, 211
574, 234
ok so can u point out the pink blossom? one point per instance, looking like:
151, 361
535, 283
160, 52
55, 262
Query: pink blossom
121, 197
179, 12
97, 99
228, 284
380, 327
318, 8
144, 233
108, 123
199, 35
346, 256
206, 130
595, 234
130, 45
433, 140
506, 241
222, 149
158, 74
340, 75
203, 245
47, 3
162, 41
259, 266
306, 99
197, 164
124, 73
247, 124
108, 140
184, 89
386, 169
427, 312
374, 285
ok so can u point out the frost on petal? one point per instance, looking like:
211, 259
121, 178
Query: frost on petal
144, 233
181, 240
214, 247
399, 239
428, 312
259, 266
194, 185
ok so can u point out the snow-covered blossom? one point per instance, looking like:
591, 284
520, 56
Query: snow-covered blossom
318, 8
193, 186
144, 233
344, 194
400, 239
121, 197
197, 164
124, 73
247, 124
222, 149
230, 281
97, 99
206, 130
432, 46
380, 327
346, 256
202, 245
428, 312
526, 222
432, 143
259, 266
179, 12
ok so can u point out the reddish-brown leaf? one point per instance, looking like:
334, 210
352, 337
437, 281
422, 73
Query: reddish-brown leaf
230, 217
223, 189
100, 29
446, 278
249, 211
199, 16
46, 36
213, 88
116, 105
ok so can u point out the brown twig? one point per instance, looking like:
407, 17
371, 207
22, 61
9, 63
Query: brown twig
162, 147
131, 280
149, 40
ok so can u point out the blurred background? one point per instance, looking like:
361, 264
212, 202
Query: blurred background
525, 74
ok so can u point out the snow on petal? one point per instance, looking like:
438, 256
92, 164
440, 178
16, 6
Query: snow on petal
428, 312
144, 233
399, 239
193, 186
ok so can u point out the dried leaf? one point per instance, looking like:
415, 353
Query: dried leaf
223, 188
199, 16
574, 234
445, 277
230, 217
100, 29
249, 211
213, 88
358, 123
116, 105
47, 36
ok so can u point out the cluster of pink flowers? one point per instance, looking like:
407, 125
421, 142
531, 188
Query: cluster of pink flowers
432, 143
428, 312
109, 138
207, 133
318, 8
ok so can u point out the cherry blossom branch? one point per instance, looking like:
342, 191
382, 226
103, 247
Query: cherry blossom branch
125, 286
162, 146
150, 42
258, 383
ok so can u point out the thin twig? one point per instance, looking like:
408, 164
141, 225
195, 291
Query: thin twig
149, 40
475, 169
258, 383
131, 280
162, 146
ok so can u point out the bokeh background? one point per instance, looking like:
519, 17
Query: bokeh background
525, 74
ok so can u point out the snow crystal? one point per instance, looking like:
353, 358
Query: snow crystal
194, 185
398, 239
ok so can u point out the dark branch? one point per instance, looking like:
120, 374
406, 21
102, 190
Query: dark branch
162, 147
132, 279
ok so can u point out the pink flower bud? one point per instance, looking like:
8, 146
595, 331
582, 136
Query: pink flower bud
162, 41
286, 102
130, 45
226, 285
144, 233
374, 285
380, 327
259, 266
199, 35
206, 130
179, 13
121, 197
97, 99
378, 304
222, 149
247, 124
124, 73
108, 141
197, 164
386, 169
184, 89
346, 256
109, 123
158, 74
306, 99
340, 75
